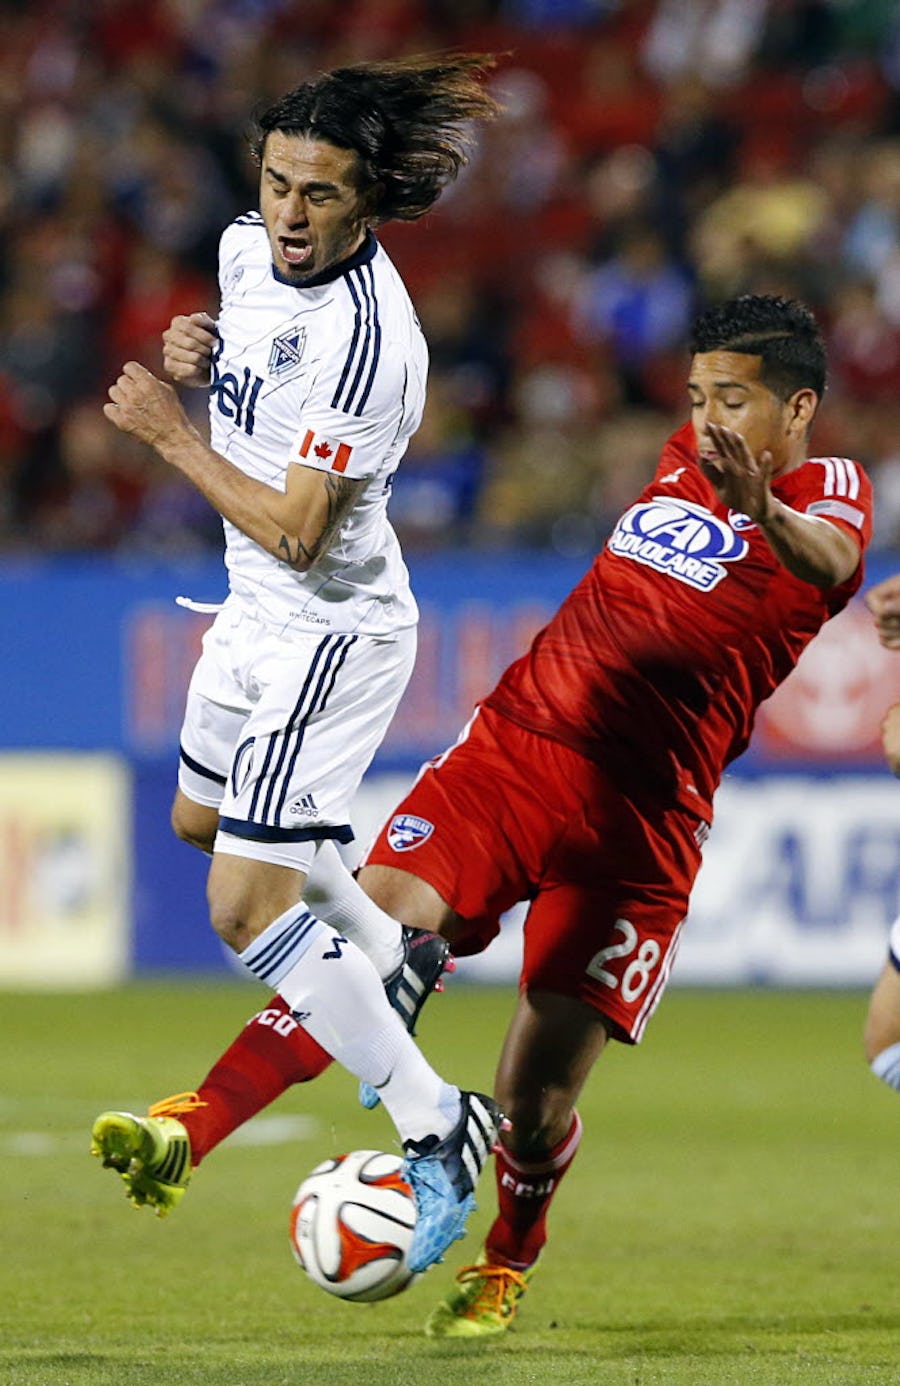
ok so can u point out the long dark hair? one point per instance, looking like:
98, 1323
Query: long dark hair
407, 119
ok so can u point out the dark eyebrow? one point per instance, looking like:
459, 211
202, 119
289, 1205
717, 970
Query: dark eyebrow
721, 385
316, 186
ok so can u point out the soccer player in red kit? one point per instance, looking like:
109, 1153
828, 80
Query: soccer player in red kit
584, 782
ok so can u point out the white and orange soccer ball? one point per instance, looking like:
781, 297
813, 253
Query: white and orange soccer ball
352, 1222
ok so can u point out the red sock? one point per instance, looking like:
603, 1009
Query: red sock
271, 1053
524, 1193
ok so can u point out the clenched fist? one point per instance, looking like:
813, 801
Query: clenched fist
146, 407
188, 344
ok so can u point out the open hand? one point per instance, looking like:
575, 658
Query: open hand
741, 481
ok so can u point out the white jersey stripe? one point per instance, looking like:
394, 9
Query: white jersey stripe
828, 464
840, 472
841, 476
654, 995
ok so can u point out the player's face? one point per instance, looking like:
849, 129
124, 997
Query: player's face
311, 204
725, 389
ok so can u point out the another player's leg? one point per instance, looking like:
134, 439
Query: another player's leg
881, 1037
152, 1153
157, 1152
551, 1045
271, 1053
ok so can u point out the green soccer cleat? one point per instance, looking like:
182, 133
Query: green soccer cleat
152, 1153
482, 1303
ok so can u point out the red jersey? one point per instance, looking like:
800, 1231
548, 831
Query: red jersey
655, 664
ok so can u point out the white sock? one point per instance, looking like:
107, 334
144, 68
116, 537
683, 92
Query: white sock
886, 1066
336, 994
417, 1100
336, 898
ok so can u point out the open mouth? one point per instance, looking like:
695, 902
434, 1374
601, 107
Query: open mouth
295, 253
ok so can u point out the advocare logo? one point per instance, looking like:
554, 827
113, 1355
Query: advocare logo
679, 538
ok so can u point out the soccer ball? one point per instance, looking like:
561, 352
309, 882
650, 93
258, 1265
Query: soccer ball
351, 1226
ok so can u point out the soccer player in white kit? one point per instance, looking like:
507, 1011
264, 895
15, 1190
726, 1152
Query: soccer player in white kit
316, 369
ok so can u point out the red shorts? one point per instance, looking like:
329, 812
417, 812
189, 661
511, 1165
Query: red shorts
507, 815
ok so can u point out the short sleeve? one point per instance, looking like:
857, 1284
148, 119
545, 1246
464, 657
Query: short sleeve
356, 411
837, 489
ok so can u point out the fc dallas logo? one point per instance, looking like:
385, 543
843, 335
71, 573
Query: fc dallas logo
325, 448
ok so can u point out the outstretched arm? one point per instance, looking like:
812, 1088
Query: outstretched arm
296, 525
812, 548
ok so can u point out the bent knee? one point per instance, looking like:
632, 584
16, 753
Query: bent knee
231, 925
246, 896
539, 1121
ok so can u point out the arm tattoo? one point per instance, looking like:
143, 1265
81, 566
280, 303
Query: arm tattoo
298, 557
341, 493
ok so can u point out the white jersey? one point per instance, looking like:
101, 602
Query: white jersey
329, 375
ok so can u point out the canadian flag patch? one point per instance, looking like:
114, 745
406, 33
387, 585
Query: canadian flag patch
337, 455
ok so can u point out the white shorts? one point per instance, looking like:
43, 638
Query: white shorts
278, 732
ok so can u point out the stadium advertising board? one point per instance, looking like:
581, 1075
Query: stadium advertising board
64, 866
800, 879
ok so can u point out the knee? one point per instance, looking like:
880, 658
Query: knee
540, 1120
245, 897
232, 919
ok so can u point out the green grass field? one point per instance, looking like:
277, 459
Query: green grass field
733, 1216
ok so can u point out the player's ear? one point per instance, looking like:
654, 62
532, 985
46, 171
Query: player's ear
371, 204
802, 407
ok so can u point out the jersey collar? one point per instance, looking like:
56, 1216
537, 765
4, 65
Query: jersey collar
362, 256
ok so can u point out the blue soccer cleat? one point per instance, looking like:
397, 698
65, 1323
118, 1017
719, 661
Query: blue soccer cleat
443, 1175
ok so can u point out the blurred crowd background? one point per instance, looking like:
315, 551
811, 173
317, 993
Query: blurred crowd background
655, 155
